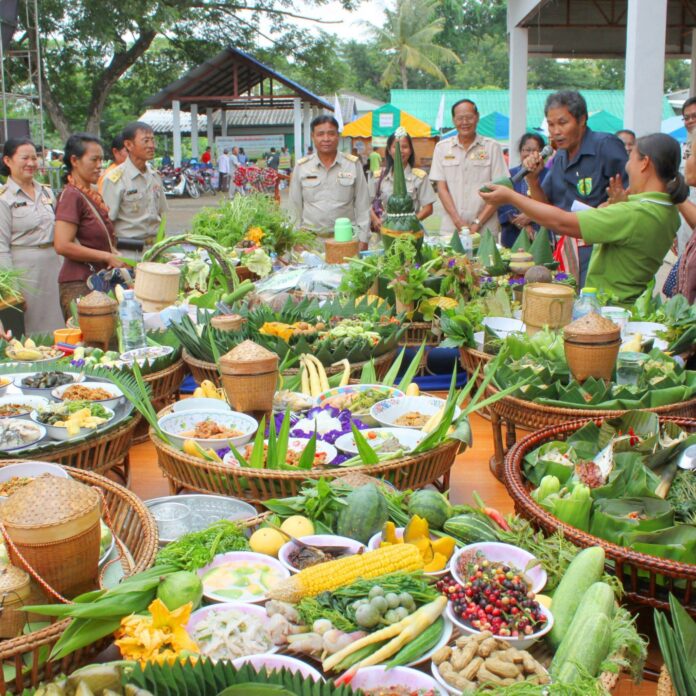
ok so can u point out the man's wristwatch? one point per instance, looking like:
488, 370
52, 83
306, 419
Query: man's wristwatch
476, 221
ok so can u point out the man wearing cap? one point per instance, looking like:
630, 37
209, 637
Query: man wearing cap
329, 184
461, 166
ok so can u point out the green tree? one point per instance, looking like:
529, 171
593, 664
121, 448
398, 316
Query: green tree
367, 63
409, 39
88, 46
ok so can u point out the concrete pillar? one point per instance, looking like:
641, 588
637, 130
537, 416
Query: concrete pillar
646, 29
176, 132
223, 122
194, 130
210, 125
519, 55
297, 123
306, 120
692, 86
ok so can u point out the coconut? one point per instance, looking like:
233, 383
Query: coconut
538, 274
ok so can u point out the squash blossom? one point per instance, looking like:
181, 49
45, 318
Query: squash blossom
160, 637
255, 234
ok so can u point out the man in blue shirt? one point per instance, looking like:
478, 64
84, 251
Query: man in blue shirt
582, 168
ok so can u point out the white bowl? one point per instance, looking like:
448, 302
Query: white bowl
317, 540
201, 404
386, 412
144, 355
112, 402
408, 438
241, 558
376, 540
647, 329
32, 402
252, 609
40, 435
59, 432
5, 382
174, 423
479, 338
503, 325
295, 444
364, 416
31, 469
503, 553
277, 662
379, 677
521, 643
40, 391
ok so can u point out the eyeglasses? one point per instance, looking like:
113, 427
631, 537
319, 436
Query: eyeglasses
465, 119
689, 117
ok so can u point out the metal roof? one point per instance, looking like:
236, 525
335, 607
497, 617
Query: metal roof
162, 120
424, 103
234, 79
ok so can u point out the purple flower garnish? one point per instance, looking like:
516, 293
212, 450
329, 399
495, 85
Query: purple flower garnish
561, 276
451, 263
78, 363
516, 281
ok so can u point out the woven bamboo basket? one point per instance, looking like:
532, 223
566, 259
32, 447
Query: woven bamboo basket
256, 485
527, 415
99, 454
201, 370
471, 359
416, 333
134, 526
646, 579
165, 390
664, 684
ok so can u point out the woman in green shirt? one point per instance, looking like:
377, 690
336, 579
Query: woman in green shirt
632, 236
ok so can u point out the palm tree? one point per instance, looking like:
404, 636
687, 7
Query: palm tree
408, 38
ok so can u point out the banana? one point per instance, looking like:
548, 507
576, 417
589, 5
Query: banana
209, 389
345, 378
28, 354
412, 390
198, 393
29, 343
314, 383
321, 372
304, 379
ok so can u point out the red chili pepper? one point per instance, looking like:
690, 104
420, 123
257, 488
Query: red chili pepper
496, 517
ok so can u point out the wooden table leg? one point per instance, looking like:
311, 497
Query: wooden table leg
496, 462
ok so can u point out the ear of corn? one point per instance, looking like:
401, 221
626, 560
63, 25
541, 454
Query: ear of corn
343, 571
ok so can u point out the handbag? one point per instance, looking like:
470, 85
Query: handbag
669, 289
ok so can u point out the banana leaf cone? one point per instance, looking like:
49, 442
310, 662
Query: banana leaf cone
678, 543
488, 254
615, 519
541, 249
456, 243
400, 218
571, 506
522, 242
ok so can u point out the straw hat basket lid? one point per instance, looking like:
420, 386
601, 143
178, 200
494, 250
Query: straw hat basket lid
14, 593
53, 524
248, 358
592, 328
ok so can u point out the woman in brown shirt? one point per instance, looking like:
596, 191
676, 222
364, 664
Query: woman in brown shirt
84, 234
686, 274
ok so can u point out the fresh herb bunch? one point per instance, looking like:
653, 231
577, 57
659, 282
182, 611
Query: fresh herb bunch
409, 283
11, 283
196, 549
682, 497
360, 275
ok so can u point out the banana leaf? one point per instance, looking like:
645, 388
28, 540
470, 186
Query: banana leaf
489, 256
551, 459
522, 242
628, 479
614, 519
677, 543
541, 249
456, 243
671, 448
571, 506
644, 424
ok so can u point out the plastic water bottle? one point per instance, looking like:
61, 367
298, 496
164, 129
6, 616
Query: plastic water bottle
130, 312
274, 261
586, 303
467, 242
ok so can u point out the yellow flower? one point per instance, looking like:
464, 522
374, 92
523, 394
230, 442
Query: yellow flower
160, 637
255, 234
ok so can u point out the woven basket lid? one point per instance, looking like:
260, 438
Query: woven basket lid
248, 358
592, 328
549, 290
13, 579
49, 501
158, 268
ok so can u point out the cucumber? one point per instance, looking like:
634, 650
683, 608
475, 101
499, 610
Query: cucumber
589, 651
470, 528
584, 570
598, 599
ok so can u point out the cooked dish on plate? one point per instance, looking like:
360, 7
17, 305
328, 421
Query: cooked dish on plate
211, 430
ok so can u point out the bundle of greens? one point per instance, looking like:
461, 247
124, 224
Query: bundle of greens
11, 283
678, 647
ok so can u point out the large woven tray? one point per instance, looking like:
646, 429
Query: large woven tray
134, 526
185, 472
514, 412
202, 370
657, 575
418, 332
165, 390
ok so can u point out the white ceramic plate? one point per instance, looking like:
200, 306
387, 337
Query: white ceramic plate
112, 402
58, 432
503, 325
365, 415
445, 638
295, 444
388, 411
201, 404
317, 540
407, 437
647, 329
39, 430
503, 553
234, 591
40, 391
277, 662
143, 355
175, 423
251, 609
31, 402
379, 677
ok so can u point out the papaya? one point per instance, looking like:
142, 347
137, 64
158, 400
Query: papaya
425, 547
417, 528
389, 533
444, 546
438, 563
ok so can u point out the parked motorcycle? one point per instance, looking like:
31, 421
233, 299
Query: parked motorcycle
173, 181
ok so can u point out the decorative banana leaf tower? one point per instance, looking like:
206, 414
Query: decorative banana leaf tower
400, 218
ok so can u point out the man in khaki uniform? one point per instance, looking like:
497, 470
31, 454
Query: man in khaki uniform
328, 184
461, 166
133, 191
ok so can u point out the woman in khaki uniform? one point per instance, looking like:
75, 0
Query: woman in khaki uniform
418, 184
26, 235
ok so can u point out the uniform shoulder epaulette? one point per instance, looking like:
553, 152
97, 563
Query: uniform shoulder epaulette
304, 159
115, 174
352, 158
420, 173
